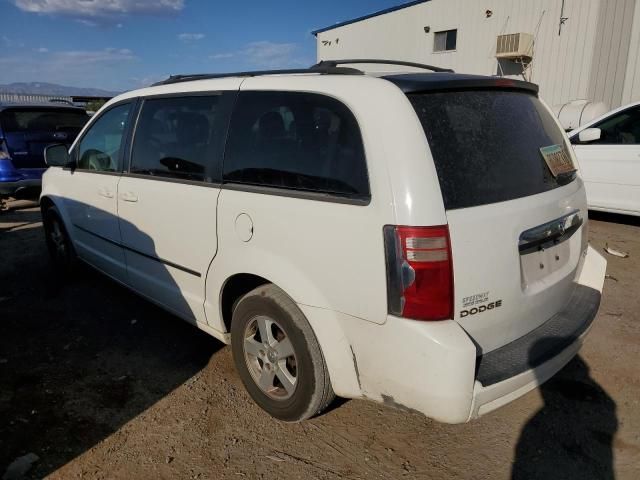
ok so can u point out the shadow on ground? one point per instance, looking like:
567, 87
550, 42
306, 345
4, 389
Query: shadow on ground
571, 436
78, 359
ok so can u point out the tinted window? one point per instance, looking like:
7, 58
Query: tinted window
620, 129
295, 140
181, 137
101, 147
43, 120
486, 144
444, 41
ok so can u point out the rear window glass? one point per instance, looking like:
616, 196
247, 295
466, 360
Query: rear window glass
298, 141
486, 144
39, 120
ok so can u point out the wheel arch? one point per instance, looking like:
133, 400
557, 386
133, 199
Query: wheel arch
49, 200
233, 289
324, 323
46, 202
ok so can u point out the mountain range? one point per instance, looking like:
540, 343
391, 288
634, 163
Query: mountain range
53, 89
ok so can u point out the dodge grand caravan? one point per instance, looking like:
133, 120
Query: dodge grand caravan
416, 239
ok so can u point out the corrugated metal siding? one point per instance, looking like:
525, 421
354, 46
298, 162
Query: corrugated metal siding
609, 63
587, 61
631, 91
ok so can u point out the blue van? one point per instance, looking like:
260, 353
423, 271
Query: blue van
25, 130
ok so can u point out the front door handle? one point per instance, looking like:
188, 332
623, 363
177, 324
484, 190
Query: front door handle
105, 192
129, 197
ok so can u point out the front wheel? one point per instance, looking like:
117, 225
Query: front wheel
278, 356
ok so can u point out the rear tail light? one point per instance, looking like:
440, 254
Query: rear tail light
419, 272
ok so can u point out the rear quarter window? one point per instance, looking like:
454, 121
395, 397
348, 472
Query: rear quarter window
296, 141
486, 144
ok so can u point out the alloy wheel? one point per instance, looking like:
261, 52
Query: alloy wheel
270, 357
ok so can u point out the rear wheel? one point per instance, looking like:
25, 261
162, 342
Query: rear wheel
59, 245
278, 357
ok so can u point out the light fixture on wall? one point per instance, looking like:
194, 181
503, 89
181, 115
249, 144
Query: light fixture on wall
488, 13
427, 29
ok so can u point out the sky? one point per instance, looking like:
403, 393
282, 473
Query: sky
123, 44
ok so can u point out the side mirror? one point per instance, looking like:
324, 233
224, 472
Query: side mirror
57, 155
589, 135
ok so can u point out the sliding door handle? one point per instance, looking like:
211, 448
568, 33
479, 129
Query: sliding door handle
129, 197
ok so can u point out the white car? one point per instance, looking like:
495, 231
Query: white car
608, 152
416, 239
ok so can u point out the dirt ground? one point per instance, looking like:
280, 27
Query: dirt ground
98, 383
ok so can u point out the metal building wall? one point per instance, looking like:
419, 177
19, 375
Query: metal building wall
611, 52
588, 60
631, 90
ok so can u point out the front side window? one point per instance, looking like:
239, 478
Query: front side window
181, 137
101, 147
298, 141
620, 129
445, 41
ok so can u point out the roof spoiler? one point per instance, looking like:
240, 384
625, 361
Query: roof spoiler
417, 83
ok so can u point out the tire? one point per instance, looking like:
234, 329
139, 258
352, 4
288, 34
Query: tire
290, 367
61, 251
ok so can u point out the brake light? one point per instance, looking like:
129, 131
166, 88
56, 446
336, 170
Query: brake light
419, 272
505, 82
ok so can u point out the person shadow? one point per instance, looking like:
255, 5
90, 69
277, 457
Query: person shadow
571, 436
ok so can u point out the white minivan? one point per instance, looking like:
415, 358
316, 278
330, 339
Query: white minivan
416, 239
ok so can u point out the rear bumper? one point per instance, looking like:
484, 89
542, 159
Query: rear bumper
13, 180
433, 367
542, 344
510, 371
513, 370
11, 188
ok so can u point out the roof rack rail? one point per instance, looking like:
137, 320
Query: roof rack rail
321, 69
335, 63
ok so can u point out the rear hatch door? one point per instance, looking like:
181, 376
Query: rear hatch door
28, 130
515, 207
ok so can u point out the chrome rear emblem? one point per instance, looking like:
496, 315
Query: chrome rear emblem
60, 136
562, 227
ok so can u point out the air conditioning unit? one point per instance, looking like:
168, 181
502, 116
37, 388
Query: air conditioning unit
515, 45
